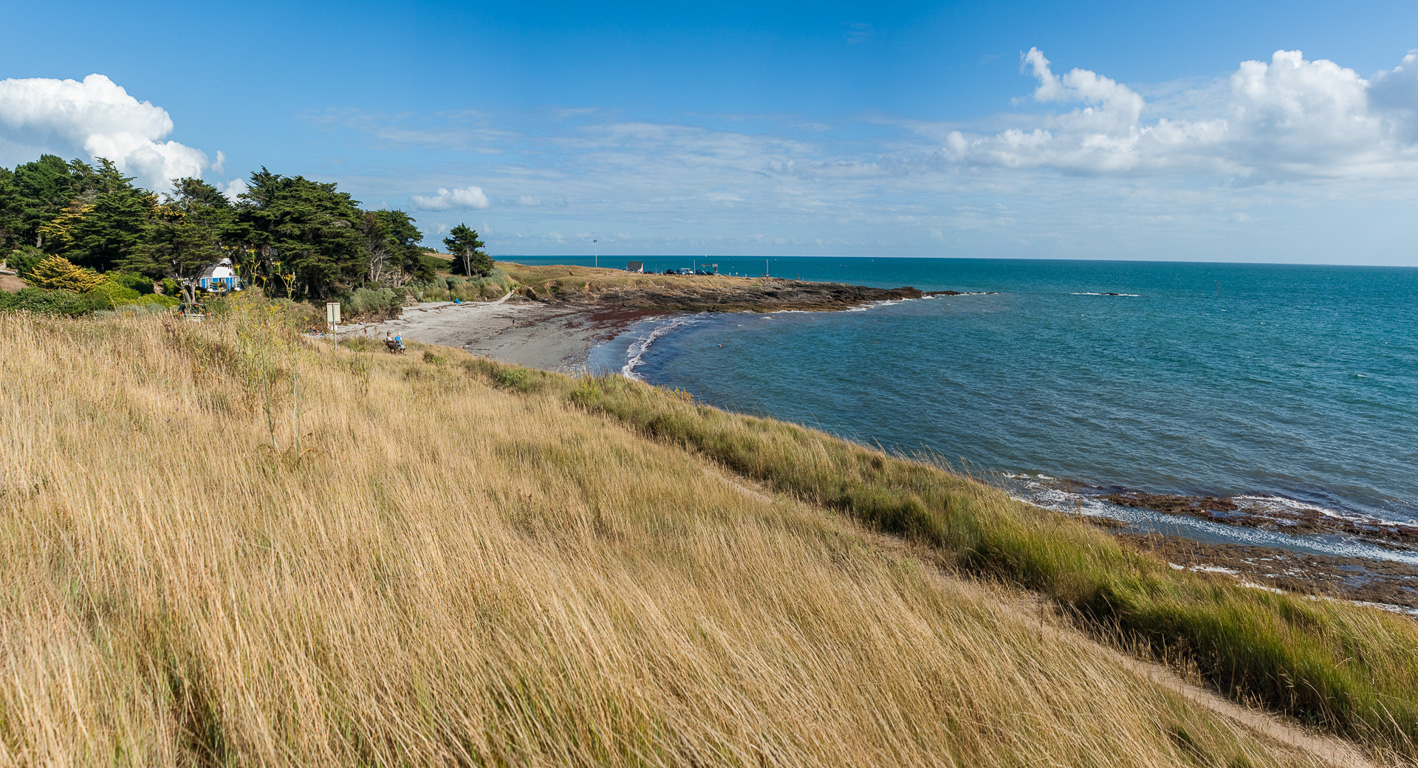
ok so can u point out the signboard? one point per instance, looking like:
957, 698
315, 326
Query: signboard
332, 313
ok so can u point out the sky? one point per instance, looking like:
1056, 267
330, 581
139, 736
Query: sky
1216, 131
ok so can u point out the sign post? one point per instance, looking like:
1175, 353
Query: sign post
332, 322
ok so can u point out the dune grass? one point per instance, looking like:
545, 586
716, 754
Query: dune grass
561, 279
1349, 669
455, 569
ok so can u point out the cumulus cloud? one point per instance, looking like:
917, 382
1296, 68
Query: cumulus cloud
462, 197
234, 189
98, 117
1286, 118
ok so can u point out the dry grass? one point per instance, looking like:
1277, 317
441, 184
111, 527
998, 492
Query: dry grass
1348, 669
452, 572
561, 278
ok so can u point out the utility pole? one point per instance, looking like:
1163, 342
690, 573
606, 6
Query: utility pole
597, 250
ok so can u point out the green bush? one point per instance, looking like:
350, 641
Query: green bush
435, 265
140, 283
24, 259
113, 293
48, 302
372, 303
517, 379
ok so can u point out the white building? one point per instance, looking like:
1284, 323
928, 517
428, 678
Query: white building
219, 277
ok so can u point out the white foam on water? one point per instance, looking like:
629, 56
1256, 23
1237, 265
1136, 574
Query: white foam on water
1282, 504
879, 304
635, 353
1032, 490
1096, 293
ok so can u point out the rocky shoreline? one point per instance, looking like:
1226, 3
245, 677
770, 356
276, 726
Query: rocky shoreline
1253, 513
1382, 583
764, 295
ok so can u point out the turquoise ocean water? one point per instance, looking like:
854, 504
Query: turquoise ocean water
1297, 385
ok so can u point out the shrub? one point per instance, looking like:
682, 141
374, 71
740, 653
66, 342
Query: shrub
57, 273
24, 260
372, 304
432, 359
516, 379
46, 302
113, 293
140, 283
435, 265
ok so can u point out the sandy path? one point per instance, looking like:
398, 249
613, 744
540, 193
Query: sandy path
1040, 612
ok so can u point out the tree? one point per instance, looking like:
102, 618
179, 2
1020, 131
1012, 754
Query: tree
109, 231
306, 230
44, 187
467, 250
11, 210
58, 233
394, 255
185, 234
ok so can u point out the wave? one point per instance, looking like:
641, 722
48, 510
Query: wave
635, 354
1096, 293
877, 305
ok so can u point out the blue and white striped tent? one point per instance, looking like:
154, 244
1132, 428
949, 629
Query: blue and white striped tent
219, 277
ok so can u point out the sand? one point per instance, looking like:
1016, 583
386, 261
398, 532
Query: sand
550, 337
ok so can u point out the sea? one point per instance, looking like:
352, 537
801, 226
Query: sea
1062, 381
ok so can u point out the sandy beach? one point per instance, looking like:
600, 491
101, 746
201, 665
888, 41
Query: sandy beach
550, 337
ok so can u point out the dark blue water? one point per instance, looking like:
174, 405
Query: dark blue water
1295, 382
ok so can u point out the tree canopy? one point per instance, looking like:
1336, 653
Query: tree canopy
297, 237
469, 258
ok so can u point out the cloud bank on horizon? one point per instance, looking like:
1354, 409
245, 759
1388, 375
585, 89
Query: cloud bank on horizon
1282, 119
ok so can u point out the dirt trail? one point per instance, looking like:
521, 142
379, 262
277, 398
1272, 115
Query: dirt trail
1040, 612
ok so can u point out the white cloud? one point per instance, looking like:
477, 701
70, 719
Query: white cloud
1286, 118
462, 197
234, 189
97, 117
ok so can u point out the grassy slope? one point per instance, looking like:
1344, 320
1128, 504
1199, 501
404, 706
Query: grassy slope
1348, 669
574, 279
455, 571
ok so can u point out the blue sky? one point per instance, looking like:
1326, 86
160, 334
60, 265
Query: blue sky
1280, 132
